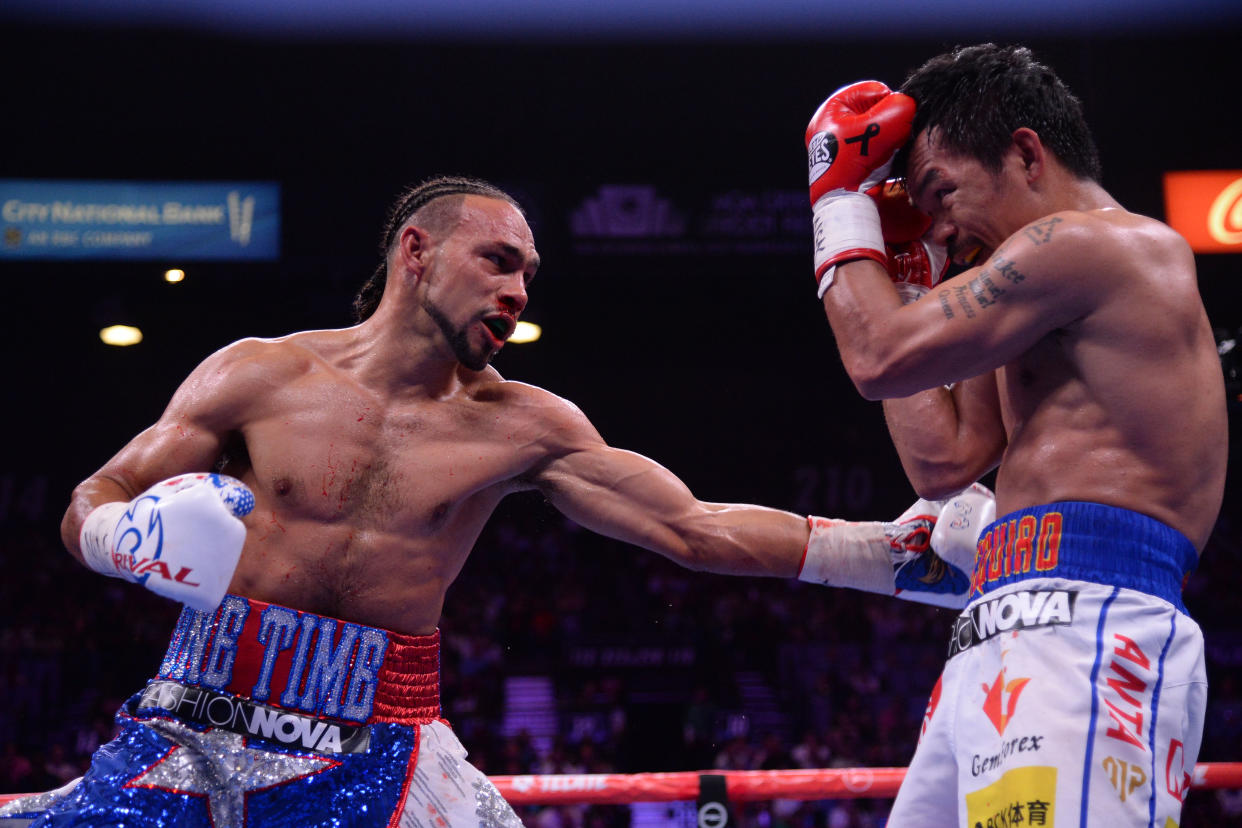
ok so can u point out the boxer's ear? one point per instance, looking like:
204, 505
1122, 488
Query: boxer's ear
413, 245
1030, 149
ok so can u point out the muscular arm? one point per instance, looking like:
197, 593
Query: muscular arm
947, 439
188, 436
1043, 277
631, 498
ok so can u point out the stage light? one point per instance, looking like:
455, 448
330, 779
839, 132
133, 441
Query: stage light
121, 335
526, 332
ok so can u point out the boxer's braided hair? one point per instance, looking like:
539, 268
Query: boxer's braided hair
412, 200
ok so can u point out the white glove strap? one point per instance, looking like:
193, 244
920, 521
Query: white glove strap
845, 222
95, 540
845, 554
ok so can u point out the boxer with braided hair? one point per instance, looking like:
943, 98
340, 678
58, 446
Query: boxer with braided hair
324, 490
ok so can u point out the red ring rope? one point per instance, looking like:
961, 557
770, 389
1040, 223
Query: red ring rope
742, 786
750, 786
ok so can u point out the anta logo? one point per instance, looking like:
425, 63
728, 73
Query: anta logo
1000, 699
1127, 691
1013, 547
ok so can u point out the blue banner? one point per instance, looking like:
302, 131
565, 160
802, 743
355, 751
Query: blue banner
176, 221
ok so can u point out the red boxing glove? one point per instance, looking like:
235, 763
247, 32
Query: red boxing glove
853, 136
850, 145
900, 221
914, 265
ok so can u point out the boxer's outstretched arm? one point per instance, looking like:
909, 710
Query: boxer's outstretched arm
948, 438
632, 498
629, 497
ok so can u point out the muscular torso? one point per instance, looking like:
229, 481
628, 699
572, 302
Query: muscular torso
1124, 406
367, 507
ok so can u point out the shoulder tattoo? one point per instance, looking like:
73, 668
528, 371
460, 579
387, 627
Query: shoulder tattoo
1041, 231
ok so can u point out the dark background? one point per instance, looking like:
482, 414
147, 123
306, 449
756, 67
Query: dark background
706, 350
719, 365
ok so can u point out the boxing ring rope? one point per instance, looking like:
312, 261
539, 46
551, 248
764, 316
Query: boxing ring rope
750, 786
741, 786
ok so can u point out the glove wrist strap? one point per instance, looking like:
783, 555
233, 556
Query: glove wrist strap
846, 554
95, 540
847, 227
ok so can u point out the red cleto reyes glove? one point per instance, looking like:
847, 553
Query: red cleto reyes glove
850, 143
914, 264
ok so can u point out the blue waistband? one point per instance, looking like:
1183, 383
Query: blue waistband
1084, 542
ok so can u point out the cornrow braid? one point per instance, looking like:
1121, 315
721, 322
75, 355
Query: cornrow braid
407, 204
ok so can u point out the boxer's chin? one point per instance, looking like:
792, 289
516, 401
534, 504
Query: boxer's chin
474, 357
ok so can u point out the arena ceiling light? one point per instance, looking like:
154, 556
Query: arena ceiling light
120, 335
526, 332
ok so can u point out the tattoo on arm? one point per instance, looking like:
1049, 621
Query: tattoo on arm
1005, 267
945, 306
959, 293
1041, 231
985, 291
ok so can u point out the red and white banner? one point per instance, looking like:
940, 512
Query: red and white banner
1205, 206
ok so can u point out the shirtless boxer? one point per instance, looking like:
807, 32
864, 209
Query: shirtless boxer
1075, 354
357, 468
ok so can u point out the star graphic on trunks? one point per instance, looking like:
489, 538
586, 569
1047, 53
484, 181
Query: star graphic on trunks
220, 766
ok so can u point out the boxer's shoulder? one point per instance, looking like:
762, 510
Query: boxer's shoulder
279, 360
522, 399
536, 415
226, 386
1120, 257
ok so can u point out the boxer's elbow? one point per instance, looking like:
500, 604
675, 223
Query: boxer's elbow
71, 525
94, 491
869, 388
939, 485
943, 475
877, 376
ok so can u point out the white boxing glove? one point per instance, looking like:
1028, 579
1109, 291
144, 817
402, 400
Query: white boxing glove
903, 558
181, 538
962, 519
